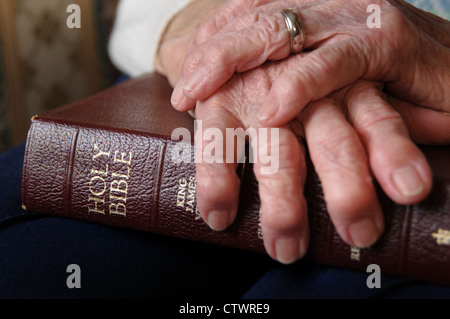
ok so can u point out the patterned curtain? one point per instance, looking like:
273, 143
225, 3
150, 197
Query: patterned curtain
45, 64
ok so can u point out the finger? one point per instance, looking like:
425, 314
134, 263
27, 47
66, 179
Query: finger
284, 220
310, 77
417, 119
397, 163
224, 16
341, 164
217, 181
246, 43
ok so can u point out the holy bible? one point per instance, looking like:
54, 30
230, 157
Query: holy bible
111, 159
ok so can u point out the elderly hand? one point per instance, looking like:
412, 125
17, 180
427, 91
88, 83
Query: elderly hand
409, 52
346, 135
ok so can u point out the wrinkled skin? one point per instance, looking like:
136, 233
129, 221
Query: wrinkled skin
321, 97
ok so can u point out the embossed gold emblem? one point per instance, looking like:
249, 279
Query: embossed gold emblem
442, 236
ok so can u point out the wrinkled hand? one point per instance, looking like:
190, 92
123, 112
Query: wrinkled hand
341, 49
347, 136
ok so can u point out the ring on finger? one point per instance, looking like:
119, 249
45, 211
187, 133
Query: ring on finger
296, 30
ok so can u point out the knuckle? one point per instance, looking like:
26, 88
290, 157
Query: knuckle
347, 211
278, 219
323, 63
283, 152
215, 184
204, 32
337, 148
279, 187
438, 92
216, 55
206, 179
270, 25
404, 41
291, 153
347, 204
373, 118
193, 59
249, 17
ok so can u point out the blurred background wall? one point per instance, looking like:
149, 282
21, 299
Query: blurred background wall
45, 64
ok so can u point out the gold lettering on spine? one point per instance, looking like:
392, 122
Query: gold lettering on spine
118, 181
99, 152
99, 172
355, 253
93, 188
181, 194
127, 176
120, 186
186, 195
96, 201
118, 209
260, 233
96, 197
122, 159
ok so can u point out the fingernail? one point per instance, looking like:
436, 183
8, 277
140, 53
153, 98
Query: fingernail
218, 220
364, 233
408, 181
177, 95
267, 112
288, 250
193, 82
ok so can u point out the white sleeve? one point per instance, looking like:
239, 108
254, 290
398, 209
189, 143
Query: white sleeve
136, 33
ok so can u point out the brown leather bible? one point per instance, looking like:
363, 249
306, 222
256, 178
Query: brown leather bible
110, 159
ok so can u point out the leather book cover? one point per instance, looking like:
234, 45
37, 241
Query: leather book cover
111, 159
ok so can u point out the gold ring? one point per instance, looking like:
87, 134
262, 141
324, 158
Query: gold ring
295, 28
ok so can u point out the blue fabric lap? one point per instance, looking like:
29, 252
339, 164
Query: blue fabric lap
311, 281
35, 251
